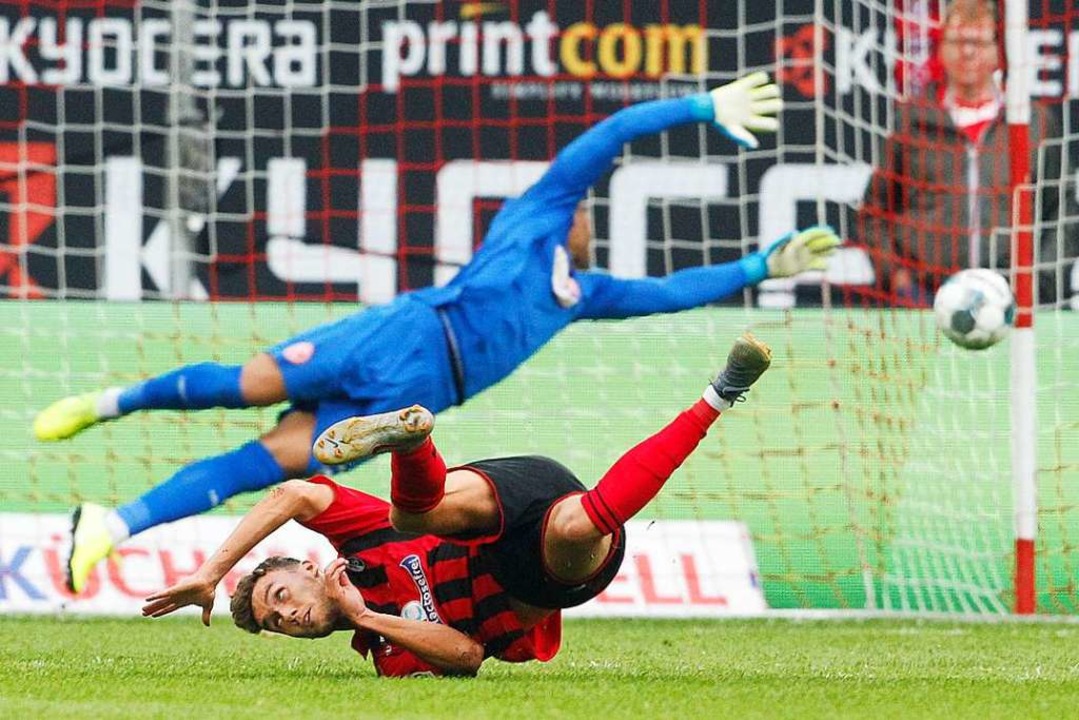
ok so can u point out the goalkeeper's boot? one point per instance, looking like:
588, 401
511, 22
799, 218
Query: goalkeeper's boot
91, 543
747, 361
68, 417
359, 437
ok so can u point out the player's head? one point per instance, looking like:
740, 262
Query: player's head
969, 52
284, 595
580, 237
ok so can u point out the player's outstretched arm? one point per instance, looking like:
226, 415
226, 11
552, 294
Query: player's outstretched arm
610, 298
738, 109
450, 650
295, 499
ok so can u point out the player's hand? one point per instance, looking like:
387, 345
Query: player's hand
341, 592
192, 590
801, 250
748, 104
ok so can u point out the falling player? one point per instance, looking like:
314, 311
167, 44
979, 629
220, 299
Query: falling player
466, 564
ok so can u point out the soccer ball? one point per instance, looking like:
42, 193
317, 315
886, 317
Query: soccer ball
975, 308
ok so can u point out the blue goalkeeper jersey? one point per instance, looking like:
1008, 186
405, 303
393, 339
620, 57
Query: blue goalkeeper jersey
520, 288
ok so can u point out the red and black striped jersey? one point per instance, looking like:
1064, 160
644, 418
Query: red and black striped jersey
424, 577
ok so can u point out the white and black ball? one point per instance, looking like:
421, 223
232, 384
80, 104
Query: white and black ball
975, 308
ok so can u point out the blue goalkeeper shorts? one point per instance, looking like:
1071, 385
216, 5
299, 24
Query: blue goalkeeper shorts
380, 359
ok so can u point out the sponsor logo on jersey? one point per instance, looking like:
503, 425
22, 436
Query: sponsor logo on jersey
299, 353
426, 610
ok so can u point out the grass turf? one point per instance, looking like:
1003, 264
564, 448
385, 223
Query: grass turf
173, 668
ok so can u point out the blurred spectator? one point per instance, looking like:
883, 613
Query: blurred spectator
940, 200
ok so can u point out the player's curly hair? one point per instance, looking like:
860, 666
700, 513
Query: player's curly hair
240, 606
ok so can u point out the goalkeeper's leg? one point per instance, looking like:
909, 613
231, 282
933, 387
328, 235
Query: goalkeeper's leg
192, 387
579, 527
282, 453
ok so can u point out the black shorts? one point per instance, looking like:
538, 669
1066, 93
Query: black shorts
527, 487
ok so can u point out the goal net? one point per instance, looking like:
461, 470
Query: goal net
191, 180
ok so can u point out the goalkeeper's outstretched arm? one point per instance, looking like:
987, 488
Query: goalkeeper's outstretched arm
745, 105
611, 298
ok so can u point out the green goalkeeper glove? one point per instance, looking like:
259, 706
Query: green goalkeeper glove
748, 103
791, 254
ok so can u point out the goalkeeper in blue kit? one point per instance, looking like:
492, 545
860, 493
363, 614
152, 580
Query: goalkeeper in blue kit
437, 347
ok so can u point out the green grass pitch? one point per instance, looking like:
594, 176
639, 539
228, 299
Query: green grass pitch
805, 510
77, 668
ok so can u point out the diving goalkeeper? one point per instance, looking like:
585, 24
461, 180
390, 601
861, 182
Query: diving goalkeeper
436, 347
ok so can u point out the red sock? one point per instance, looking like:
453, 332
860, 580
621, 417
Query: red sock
640, 474
418, 479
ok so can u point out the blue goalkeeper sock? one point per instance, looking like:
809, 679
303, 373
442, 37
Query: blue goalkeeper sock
192, 387
203, 485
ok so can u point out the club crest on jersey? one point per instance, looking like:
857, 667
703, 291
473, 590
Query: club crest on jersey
412, 610
299, 353
426, 610
565, 287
